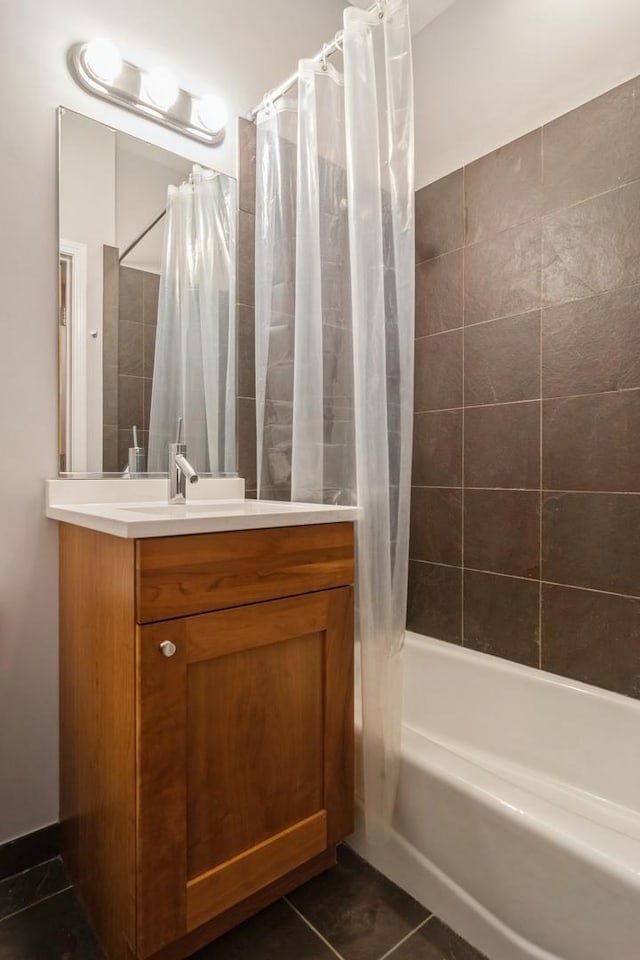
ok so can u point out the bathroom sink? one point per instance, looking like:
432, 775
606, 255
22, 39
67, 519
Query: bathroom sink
154, 517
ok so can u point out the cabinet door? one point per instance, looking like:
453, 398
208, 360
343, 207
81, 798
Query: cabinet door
245, 754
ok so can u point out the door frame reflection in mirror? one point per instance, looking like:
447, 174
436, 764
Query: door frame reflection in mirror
72, 318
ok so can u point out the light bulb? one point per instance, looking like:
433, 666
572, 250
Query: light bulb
103, 60
161, 87
212, 112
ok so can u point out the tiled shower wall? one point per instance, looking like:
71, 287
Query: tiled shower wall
130, 317
525, 518
336, 336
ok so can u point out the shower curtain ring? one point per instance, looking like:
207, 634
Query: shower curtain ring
338, 40
324, 57
380, 6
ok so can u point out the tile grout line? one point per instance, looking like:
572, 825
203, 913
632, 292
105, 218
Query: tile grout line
393, 949
524, 315
606, 593
491, 573
35, 903
549, 490
311, 927
513, 403
532, 580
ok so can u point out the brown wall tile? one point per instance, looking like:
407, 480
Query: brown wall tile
502, 360
150, 297
592, 247
130, 349
502, 274
565, 236
438, 372
130, 295
592, 442
439, 217
436, 525
502, 532
246, 384
437, 449
593, 637
246, 454
246, 165
593, 148
590, 540
130, 401
439, 294
501, 616
138, 306
110, 458
148, 349
246, 258
502, 446
110, 395
504, 188
435, 601
592, 345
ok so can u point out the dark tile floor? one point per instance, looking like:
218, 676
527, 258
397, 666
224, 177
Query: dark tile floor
351, 912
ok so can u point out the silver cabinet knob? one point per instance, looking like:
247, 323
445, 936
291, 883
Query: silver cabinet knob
167, 648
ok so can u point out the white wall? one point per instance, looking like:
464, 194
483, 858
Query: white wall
239, 47
143, 175
488, 71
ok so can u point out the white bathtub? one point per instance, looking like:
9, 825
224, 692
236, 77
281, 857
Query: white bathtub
518, 814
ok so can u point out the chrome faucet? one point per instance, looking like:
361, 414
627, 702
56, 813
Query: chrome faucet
180, 470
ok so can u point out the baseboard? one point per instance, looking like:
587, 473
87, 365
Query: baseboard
25, 852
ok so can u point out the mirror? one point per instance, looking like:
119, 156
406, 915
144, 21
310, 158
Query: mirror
146, 298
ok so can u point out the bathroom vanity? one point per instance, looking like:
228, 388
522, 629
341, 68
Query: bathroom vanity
206, 711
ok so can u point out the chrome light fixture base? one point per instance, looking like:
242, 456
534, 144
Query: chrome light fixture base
127, 90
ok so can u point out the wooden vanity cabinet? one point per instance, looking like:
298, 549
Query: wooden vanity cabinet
206, 725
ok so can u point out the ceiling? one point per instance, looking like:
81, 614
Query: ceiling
422, 11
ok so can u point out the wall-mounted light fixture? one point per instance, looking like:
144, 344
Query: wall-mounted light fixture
155, 94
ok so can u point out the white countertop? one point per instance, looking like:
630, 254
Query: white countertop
222, 507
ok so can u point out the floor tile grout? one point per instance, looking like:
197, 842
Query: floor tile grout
390, 952
35, 903
311, 927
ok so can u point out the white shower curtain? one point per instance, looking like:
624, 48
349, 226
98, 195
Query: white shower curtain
194, 365
334, 335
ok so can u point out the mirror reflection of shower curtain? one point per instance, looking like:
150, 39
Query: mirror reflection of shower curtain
195, 358
334, 335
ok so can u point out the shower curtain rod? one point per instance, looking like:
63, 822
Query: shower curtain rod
327, 50
141, 237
